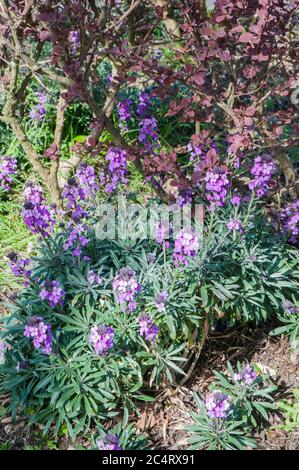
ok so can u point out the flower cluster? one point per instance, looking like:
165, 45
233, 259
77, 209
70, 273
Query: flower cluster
72, 194
197, 149
87, 180
94, 278
144, 104
147, 328
185, 197
101, 338
263, 169
148, 132
37, 113
186, 244
290, 308
235, 224
246, 376
160, 300
74, 41
217, 404
116, 171
8, 167
41, 333
53, 293
126, 287
109, 442
290, 221
19, 267
217, 184
76, 239
124, 112
38, 217
236, 199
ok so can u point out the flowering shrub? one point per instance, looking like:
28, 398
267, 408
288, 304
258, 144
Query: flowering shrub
226, 417
92, 331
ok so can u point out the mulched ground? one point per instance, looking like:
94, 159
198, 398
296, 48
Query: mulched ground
164, 419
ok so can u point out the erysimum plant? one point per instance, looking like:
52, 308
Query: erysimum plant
103, 323
227, 416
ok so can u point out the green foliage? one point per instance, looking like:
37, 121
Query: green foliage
249, 404
290, 411
238, 276
290, 319
216, 434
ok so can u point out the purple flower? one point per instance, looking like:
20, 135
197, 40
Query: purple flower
76, 239
236, 200
143, 104
217, 404
38, 112
290, 308
41, 333
101, 339
19, 267
148, 135
8, 167
93, 278
290, 221
115, 172
53, 293
109, 442
160, 300
235, 224
263, 169
124, 112
126, 287
147, 328
246, 376
217, 184
38, 216
186, 244
184, 198
87, 180
74, 41
199, 150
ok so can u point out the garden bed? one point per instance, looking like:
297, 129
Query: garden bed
163, 419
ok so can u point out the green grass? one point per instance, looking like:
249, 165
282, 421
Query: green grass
14, 236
